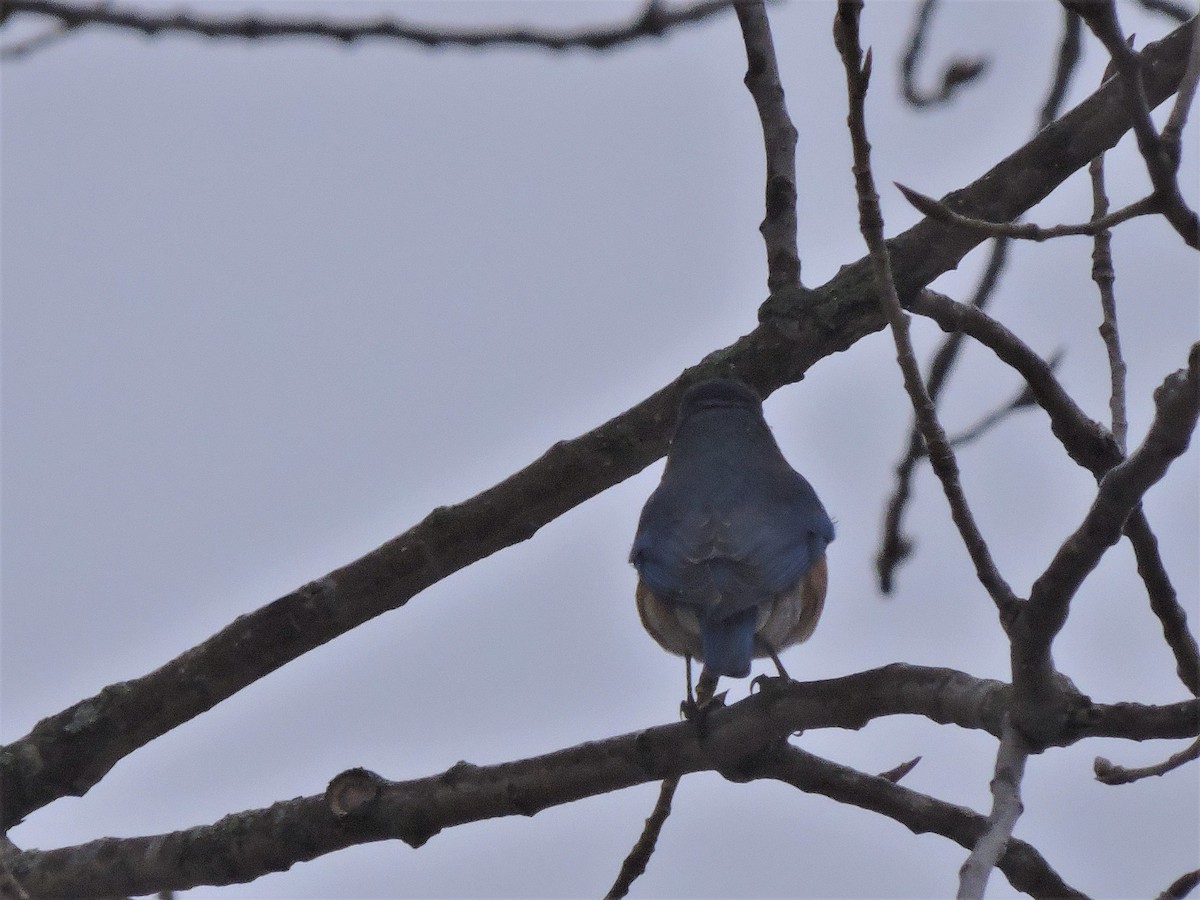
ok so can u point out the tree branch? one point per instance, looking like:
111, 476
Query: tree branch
1161, 163
779, 137
1024, 867
1105, 276
895, 546
1090, 445
1181, 886
69, 752
1121, 489
941, 456
639, 856
359, 806
1006, 809
1110, 773
956, 73
653, 21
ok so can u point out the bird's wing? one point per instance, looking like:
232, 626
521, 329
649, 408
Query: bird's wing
726, 554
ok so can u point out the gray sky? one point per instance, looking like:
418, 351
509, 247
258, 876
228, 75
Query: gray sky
267, 304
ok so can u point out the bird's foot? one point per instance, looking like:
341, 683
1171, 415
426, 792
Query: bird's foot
698, 711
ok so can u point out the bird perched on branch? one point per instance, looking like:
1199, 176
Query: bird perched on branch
730, 548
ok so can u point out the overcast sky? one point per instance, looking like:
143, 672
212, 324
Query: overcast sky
267, 304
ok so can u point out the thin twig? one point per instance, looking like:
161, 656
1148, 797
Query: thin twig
895, 545
778, 228
941, 456
957, 72
1006, 809
1069, 49
653, 21
1028, 231
1110, 773
635, 863
1161, 163
1172, 132
1023, 399
1163, 600
1105, 276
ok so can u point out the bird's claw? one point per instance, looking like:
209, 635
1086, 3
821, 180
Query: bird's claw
698, 711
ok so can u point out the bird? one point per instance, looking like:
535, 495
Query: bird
730, 547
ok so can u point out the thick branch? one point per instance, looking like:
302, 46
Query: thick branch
1025, 868
1120, 493
360, 807
69, 752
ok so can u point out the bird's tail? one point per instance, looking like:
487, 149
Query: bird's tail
727, 645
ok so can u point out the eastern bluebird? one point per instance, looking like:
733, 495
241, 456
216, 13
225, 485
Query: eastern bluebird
730, 548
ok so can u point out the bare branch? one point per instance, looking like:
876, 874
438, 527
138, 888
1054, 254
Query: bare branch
1172, 133
1090, 445
895, 546
654, 20
635, 863
1163, 600
69, 752
1027, 230
1105, 276
1181, 887
1036, 701
360, 806
1006, 809
941, 456
957, 72
779, 137
1109, 773
1069, 52
1024, 867
1161, 163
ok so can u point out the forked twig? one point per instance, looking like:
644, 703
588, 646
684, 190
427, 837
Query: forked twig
941, 456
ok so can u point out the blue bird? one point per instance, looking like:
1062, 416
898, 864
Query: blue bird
730, 548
